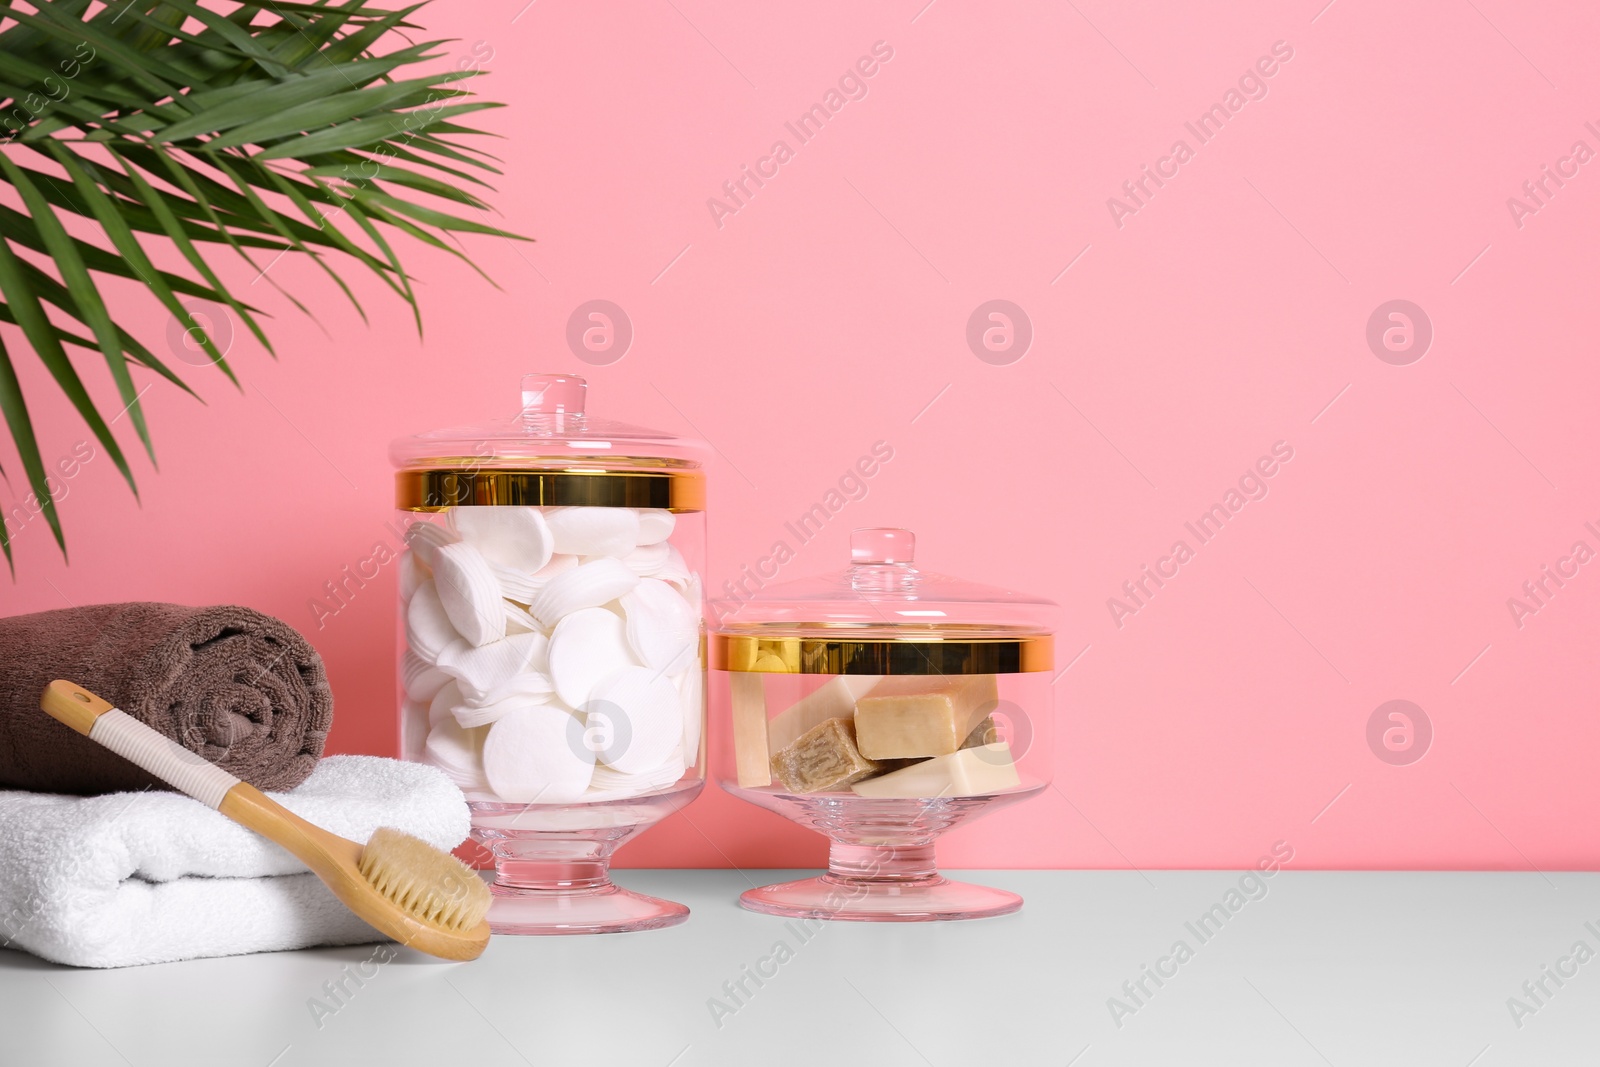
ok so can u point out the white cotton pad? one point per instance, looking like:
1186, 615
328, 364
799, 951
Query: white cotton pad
428, 628
413, 572
484, 713
585, 647
594, 531
440, 707
663, 628
518, 621
673, 569
645, 703
522, 586
516, 538
655, 525
647, 559
424, 538
482, 668
419, 678
608, 784
587, 585
469, 592
530, 682
535, 755
458, 753
691, 691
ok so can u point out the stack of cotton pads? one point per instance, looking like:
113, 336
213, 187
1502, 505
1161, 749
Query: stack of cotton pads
553, 654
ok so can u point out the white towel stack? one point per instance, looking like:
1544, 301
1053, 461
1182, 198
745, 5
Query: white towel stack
133, 878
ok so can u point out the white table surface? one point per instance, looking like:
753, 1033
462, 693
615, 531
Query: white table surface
1326, 968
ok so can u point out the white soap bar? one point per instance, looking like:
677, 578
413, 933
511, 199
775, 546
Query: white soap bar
585, 648
470, 593
534, 755
967, 773
835, 699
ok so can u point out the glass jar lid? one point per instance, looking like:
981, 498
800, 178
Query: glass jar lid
881, 615
551, 453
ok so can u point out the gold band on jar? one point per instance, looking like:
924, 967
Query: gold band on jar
435, 490
909, 655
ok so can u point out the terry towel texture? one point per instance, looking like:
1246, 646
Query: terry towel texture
131, 878
240, 688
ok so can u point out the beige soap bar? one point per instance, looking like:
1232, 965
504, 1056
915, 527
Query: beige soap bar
824, 758
751, 756
967, 773
922, 715
835, 699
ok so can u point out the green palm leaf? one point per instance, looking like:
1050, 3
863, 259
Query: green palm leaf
269, 128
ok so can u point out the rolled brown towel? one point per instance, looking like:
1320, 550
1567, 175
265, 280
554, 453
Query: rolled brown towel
240, 688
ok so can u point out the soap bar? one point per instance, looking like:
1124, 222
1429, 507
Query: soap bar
918, 715
985, 733
824, 758
969, 772
751, 756
834, 699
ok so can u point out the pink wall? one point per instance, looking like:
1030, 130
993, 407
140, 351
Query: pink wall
1228, 313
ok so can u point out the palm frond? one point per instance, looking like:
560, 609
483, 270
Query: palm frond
263, 128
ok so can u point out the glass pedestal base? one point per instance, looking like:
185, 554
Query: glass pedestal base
881, 862
930, 899
553, 864
601, 909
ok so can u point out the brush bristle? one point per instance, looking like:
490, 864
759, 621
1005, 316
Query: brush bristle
433, 886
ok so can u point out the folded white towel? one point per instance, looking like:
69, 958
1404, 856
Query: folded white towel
131, 878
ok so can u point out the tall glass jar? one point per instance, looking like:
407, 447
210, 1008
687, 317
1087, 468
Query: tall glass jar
882, 706
551, 645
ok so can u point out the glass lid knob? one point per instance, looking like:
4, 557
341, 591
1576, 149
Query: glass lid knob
553, 394
882, 545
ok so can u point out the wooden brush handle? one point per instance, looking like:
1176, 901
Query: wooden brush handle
134, 741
